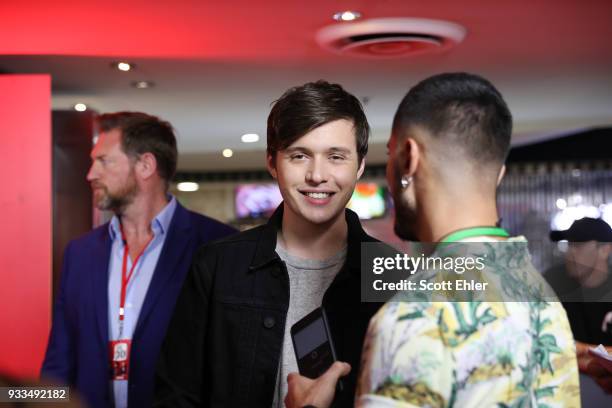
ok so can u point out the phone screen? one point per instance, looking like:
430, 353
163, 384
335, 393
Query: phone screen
310, 338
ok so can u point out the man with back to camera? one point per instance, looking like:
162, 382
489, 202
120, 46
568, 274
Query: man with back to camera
228, 344
119, 282
450, 137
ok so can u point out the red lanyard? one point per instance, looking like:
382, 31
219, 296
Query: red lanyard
125, 277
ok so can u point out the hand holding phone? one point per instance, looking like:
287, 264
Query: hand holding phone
303, 392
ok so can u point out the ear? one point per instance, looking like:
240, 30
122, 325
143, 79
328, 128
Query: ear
271, 165
410, 155
605, 249
361, 168
502, 173
146, 166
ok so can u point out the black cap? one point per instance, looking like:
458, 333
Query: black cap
583, 230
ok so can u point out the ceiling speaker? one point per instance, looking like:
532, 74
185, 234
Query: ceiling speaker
390, 37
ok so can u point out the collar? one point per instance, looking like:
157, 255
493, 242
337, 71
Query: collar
474, 232
159, 224
265, 252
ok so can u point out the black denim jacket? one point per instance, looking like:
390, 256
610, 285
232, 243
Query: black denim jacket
224, 342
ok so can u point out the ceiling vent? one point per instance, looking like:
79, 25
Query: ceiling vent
390, 37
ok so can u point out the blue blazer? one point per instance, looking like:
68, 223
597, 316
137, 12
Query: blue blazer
77, 352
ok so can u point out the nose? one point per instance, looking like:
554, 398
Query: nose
92, 173
317, 172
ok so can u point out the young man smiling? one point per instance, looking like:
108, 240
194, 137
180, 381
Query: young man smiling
229, 342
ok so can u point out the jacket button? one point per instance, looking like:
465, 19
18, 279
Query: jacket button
269, 322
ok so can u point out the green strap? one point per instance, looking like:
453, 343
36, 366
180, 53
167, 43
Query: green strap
475, 232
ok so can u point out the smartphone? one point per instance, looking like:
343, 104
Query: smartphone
313, 345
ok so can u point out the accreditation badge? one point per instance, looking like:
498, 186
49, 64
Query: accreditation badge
120, 358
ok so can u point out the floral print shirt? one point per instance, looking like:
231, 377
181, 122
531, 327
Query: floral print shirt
472, 353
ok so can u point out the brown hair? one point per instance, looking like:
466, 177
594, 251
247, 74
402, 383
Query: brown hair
305, 108
142, 133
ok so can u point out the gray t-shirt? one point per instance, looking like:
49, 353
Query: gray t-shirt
308, 281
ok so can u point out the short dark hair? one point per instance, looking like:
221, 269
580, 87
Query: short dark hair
142, 133
465, 110
304, 108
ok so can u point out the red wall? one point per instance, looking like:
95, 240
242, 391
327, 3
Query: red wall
25, 222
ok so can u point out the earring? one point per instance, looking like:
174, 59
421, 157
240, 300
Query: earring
405, 181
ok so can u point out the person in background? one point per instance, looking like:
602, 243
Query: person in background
450, 138
229, 342
119, 283
584, 285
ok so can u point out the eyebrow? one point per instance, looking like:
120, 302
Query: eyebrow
296, 149
340, 150
344, 150
97, 157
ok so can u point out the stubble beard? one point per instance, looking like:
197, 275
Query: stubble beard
404, 225
118, 201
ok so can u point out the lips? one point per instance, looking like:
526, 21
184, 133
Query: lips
318, 198
317, 195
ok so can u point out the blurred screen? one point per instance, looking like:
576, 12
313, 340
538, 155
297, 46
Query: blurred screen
368, 201
257, 200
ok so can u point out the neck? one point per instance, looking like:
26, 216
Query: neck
137, 216
443, 213
312, 241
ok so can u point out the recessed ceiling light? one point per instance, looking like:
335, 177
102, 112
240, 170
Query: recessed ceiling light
142, 84
250, 138
80, 107
227, 153
347, 15
188, 186
123, 66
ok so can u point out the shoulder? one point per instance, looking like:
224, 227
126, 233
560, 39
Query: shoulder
232, 256
208, 227
417, 315
356, 232
403, 351
235, 248
82, 253
368, 238
233, 242
89, 239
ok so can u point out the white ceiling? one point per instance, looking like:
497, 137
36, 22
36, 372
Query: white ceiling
217, 68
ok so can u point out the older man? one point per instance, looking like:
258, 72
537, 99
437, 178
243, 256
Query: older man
119, 283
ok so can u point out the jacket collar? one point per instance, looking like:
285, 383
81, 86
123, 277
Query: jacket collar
265, 252
173, 253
